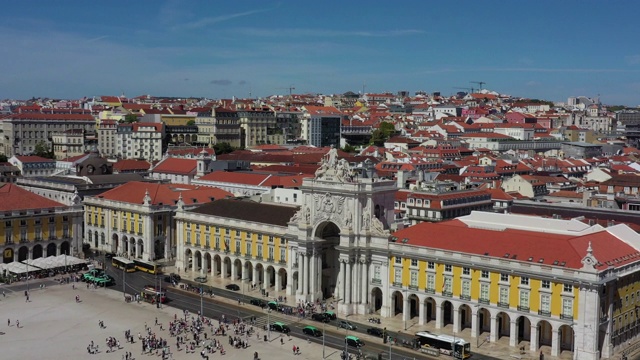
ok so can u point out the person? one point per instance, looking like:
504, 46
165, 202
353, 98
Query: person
17, 323
8, 322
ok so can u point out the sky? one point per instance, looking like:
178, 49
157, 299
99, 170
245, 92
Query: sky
548, 50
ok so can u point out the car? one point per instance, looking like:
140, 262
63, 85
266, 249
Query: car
320, 317
375, 331
273, 305
104, 280
330, 315
281, 327
353, 341
312, 331
258, 302
233, 287
346, 325
201, 279
92, 274
172, 278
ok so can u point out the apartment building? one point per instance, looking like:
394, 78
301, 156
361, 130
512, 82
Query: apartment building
140, 141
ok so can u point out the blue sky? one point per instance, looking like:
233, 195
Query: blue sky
218, 49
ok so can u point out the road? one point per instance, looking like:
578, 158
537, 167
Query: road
212, 308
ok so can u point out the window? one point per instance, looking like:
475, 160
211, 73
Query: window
567, 307
217, 244
447, 286
431, 265
504, 295
466, 288
414, 278
283, 254
397, 279
447, 268
217, 230
524, 281
227, 232
23, 235
207, 240
237, 246
414, 262
545, 303
567, 288
139, 227
270, 238
484, 274
431, 282
259, 252
504, 277
484, 292
466, 271
197, 239
189, 238
524, 299
271, 257
546, 284
249, 249
376, 272
398, 260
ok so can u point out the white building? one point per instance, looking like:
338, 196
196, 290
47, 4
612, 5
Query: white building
140, 141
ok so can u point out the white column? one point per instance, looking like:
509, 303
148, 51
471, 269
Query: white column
234, 271
202, 265
307, 276
533, 344
312, 274
303, 279
494, 329
341, 277
364, 293
265, 278
300, 275
456, 320
406, 308
422, 312
439, 315
513, 333
555, 342
318, 275
474, 323
357, 270
255, 275
277, 284
347, 275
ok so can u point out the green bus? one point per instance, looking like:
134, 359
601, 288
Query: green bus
123, 264
147, 266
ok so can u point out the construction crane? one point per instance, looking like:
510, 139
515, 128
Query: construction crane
290, 88
479, 83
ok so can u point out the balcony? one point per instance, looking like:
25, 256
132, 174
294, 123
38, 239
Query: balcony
447, 294
397, 284
544, 313
376, 281
23, 241
237, 253
227, 251
216, 248
484, 301
566, 317
248, 256
523, 308
430, 291
271, 260
503, 305
283, 262
413, 287
465, 297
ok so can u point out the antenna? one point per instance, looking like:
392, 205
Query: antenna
479, 83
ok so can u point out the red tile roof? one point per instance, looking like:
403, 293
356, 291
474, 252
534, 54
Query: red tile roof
49, 117
266, 179
32, 159
130, 165
166, 194
176, 166
455, 235
15, 198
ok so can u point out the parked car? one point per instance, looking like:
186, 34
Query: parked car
258, 302
346, 325
104, 280
320, 317
92, 274
353, 341
281, 327
233, 287
273, 305
311, 331
201, 279
172, 278
375, 331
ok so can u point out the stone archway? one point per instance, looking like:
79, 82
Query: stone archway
37, 251
523, 329
447, 313
226, 267
51, 249
503, 322
545, 333
158, 248
132, 247
116, 243
397, 303
237, 264
64, 248
126, 249
484, 321
282, 277
249, 271
296, 281
208, 263
464, 312
566, 338
414, 306
270, 276
188, 259
23, 253
140, 248
258, 271
430, 303
217, 266
330, 234
376, 299
197, 260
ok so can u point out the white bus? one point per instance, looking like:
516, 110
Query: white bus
446, 344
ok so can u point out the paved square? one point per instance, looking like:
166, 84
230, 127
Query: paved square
53, 326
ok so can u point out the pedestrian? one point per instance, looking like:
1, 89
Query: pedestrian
8, 322
17, 323
294, 349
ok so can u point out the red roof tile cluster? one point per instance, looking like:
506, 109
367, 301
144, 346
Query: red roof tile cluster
133, 192
15, 198
178, 166
131, 165
52, 117
266, 179
33, 159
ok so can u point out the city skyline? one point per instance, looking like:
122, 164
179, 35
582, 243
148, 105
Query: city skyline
546, 50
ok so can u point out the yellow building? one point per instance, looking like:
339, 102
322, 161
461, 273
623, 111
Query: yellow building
136, 219
235, 239
34, 226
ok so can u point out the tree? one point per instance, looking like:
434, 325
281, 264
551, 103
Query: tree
42, 149
130, 118
349, 148
191, 122
383, 133
223, 148
3, 158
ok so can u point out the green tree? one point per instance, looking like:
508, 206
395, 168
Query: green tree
43, 150
3, 158
191, 122
130, 118
383, 133
349, 148
223, 148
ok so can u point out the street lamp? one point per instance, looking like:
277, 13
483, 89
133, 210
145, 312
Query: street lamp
201, 310
323, 325
269, 324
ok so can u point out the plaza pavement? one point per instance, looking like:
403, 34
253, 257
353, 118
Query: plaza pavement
53, 326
